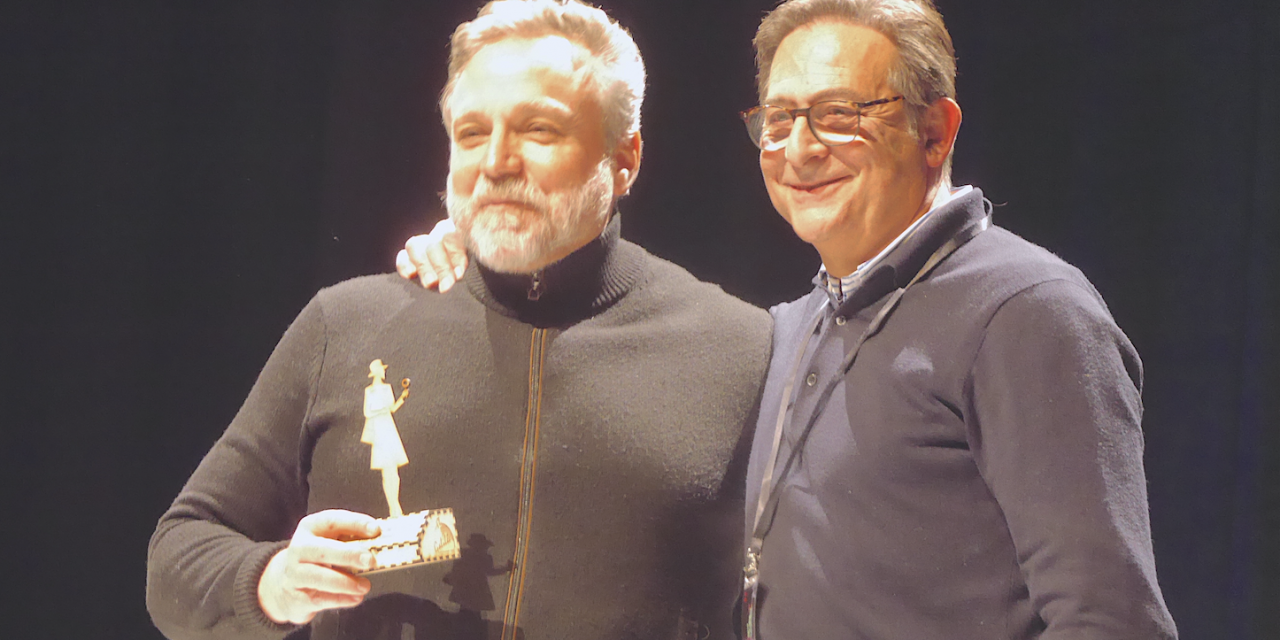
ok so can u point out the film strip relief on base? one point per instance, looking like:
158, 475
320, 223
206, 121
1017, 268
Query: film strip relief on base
413, 539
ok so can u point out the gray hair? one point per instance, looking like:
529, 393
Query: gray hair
617, 71
926, 67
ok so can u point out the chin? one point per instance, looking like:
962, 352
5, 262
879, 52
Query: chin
811, 224
507, 252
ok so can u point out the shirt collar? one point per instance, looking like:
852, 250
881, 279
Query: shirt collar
838, 288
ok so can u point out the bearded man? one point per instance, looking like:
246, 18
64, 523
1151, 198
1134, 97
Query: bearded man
950, 439
579, 403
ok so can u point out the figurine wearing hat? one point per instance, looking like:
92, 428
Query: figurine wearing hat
380, 431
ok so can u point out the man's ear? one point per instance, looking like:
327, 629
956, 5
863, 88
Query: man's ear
941, 123
626, 163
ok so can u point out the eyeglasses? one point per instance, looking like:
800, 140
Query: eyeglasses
832, 122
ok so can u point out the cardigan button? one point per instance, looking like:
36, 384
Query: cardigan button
812, 379
840, 320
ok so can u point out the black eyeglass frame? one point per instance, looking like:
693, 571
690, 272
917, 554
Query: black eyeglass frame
757, 130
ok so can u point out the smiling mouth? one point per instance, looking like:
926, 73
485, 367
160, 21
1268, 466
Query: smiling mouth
505, 203
817, 186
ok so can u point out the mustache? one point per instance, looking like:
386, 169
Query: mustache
516, 190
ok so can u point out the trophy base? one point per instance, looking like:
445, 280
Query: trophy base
422, 537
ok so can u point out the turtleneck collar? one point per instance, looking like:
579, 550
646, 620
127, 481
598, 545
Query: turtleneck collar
574, 288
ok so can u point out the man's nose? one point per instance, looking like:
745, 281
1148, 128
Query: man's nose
802, 145
502, 158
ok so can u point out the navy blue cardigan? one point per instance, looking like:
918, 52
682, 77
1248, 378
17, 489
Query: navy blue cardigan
978, 472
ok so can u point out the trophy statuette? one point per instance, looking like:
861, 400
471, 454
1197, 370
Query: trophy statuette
407, 539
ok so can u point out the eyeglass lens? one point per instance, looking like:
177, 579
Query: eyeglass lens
832, 123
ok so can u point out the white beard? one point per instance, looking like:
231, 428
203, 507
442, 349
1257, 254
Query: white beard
508, 239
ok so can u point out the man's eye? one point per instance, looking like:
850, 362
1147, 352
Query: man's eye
542, 132
836, 117
468, 135
836, 111
776, 117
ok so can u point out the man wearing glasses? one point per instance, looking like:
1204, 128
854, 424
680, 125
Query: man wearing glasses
950, 439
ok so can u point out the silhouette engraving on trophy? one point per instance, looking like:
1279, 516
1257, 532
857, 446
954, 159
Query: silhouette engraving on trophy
406, 539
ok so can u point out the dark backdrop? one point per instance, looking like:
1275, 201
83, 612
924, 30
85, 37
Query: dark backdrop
180, 177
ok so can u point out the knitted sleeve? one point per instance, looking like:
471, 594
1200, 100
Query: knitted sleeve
1057, 417
241, 505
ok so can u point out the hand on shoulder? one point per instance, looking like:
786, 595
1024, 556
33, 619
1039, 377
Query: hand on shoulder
436, 259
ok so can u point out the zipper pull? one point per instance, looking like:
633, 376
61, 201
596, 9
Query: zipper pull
535, 286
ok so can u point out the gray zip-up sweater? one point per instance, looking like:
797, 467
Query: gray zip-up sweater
977, 475
591, 444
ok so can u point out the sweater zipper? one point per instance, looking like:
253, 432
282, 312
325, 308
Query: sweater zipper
528, 469
535, 286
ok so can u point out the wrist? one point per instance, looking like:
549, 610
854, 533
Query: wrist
248, 599
267, 594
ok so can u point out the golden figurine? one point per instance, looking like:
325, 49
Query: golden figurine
380, 431
406, 539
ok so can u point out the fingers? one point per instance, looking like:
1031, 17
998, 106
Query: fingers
323, 580
452, 254
447, 255
319, 539
438, 261
318, 601
293, 598
456, 249
292, 591
313, 572
415, 251
323, 551
443, 228
438, 258
404, 266
339, 523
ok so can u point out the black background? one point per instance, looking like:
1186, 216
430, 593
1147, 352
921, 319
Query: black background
179, 178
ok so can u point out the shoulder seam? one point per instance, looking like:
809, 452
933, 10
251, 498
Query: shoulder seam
968, 378
999, 307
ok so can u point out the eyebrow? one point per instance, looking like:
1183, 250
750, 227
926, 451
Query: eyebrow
834, 93
543, 105
540, 105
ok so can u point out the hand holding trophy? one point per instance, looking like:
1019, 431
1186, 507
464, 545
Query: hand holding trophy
321, 567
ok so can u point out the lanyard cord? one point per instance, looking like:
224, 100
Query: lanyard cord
769, 492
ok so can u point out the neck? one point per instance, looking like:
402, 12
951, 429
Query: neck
577, 286
842, 260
